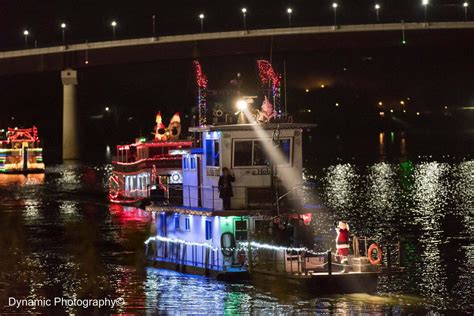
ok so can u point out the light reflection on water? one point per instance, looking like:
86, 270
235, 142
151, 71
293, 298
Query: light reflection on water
59, 237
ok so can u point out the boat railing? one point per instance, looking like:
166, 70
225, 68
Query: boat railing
244, 197
291, 260
391, 250
187, 254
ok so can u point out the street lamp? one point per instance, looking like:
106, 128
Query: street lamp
289, 11
244, 14
63, 29
201, 17
377, 8
465, 5
113, 24
25, 33
334, 6
425, 5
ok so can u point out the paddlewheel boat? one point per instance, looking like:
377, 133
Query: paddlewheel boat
20, 151
142, 168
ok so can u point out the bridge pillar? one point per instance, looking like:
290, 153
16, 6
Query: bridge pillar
70, 118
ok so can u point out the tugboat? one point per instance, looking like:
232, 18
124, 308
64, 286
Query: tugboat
142, 167
241, 213
20, 151
264, 235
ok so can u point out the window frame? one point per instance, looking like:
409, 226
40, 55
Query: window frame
208, 229
177, 225
253, 140
187, 224
211, 163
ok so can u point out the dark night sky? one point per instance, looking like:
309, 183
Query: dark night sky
431, 76
88, 19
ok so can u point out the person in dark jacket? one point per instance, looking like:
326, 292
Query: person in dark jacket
225, 187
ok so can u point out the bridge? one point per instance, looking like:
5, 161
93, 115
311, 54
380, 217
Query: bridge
72, 58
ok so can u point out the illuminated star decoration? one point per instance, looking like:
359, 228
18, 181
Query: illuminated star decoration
268, 75
201, 80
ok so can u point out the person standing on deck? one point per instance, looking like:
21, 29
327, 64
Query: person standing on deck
342, 241
225, 187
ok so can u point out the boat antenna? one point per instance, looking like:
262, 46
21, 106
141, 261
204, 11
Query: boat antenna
284, 87
271, 60
276, 144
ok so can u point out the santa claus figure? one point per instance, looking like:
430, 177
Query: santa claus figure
342, 241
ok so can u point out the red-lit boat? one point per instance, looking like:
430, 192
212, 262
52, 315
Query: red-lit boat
141, 167
20, 151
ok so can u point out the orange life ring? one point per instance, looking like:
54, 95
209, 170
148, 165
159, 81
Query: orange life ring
370, 252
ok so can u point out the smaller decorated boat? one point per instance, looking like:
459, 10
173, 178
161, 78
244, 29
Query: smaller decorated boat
141, 168
20, 151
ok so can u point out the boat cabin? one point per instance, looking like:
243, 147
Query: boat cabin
254, 153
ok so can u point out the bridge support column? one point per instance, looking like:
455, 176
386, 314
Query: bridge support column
70, 118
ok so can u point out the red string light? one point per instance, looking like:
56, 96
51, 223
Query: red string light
267, 74
201, 78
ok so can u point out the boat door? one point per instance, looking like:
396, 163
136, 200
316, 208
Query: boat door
25, 156
199, 177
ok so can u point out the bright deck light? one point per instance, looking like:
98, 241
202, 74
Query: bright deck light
242, 105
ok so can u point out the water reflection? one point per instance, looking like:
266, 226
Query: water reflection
59, 236
21, 179
430, 198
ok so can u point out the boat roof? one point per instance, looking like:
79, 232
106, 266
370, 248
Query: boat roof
205, 211
245, 127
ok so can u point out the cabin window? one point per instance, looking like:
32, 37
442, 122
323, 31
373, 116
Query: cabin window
212, 153
243, 153
285, 148
208, 229
176, 222
193, 163
187, 224
241, 229
259, 156
185, 162
253, 153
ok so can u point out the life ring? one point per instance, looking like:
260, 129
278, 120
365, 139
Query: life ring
370, 252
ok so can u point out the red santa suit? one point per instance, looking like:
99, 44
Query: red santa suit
342, 242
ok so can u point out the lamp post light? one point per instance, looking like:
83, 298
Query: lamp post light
425, 5
289, 11
465, 5
201, 18
377, 8
63, 29
334, 6
113, 24
26, 33
244, 15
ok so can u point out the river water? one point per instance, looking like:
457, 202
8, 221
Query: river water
60, 238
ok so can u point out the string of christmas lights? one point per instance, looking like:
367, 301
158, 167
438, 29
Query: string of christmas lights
268, 75
201, 80
241, 245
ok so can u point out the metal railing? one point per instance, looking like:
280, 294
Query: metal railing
189, 255
209, 197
